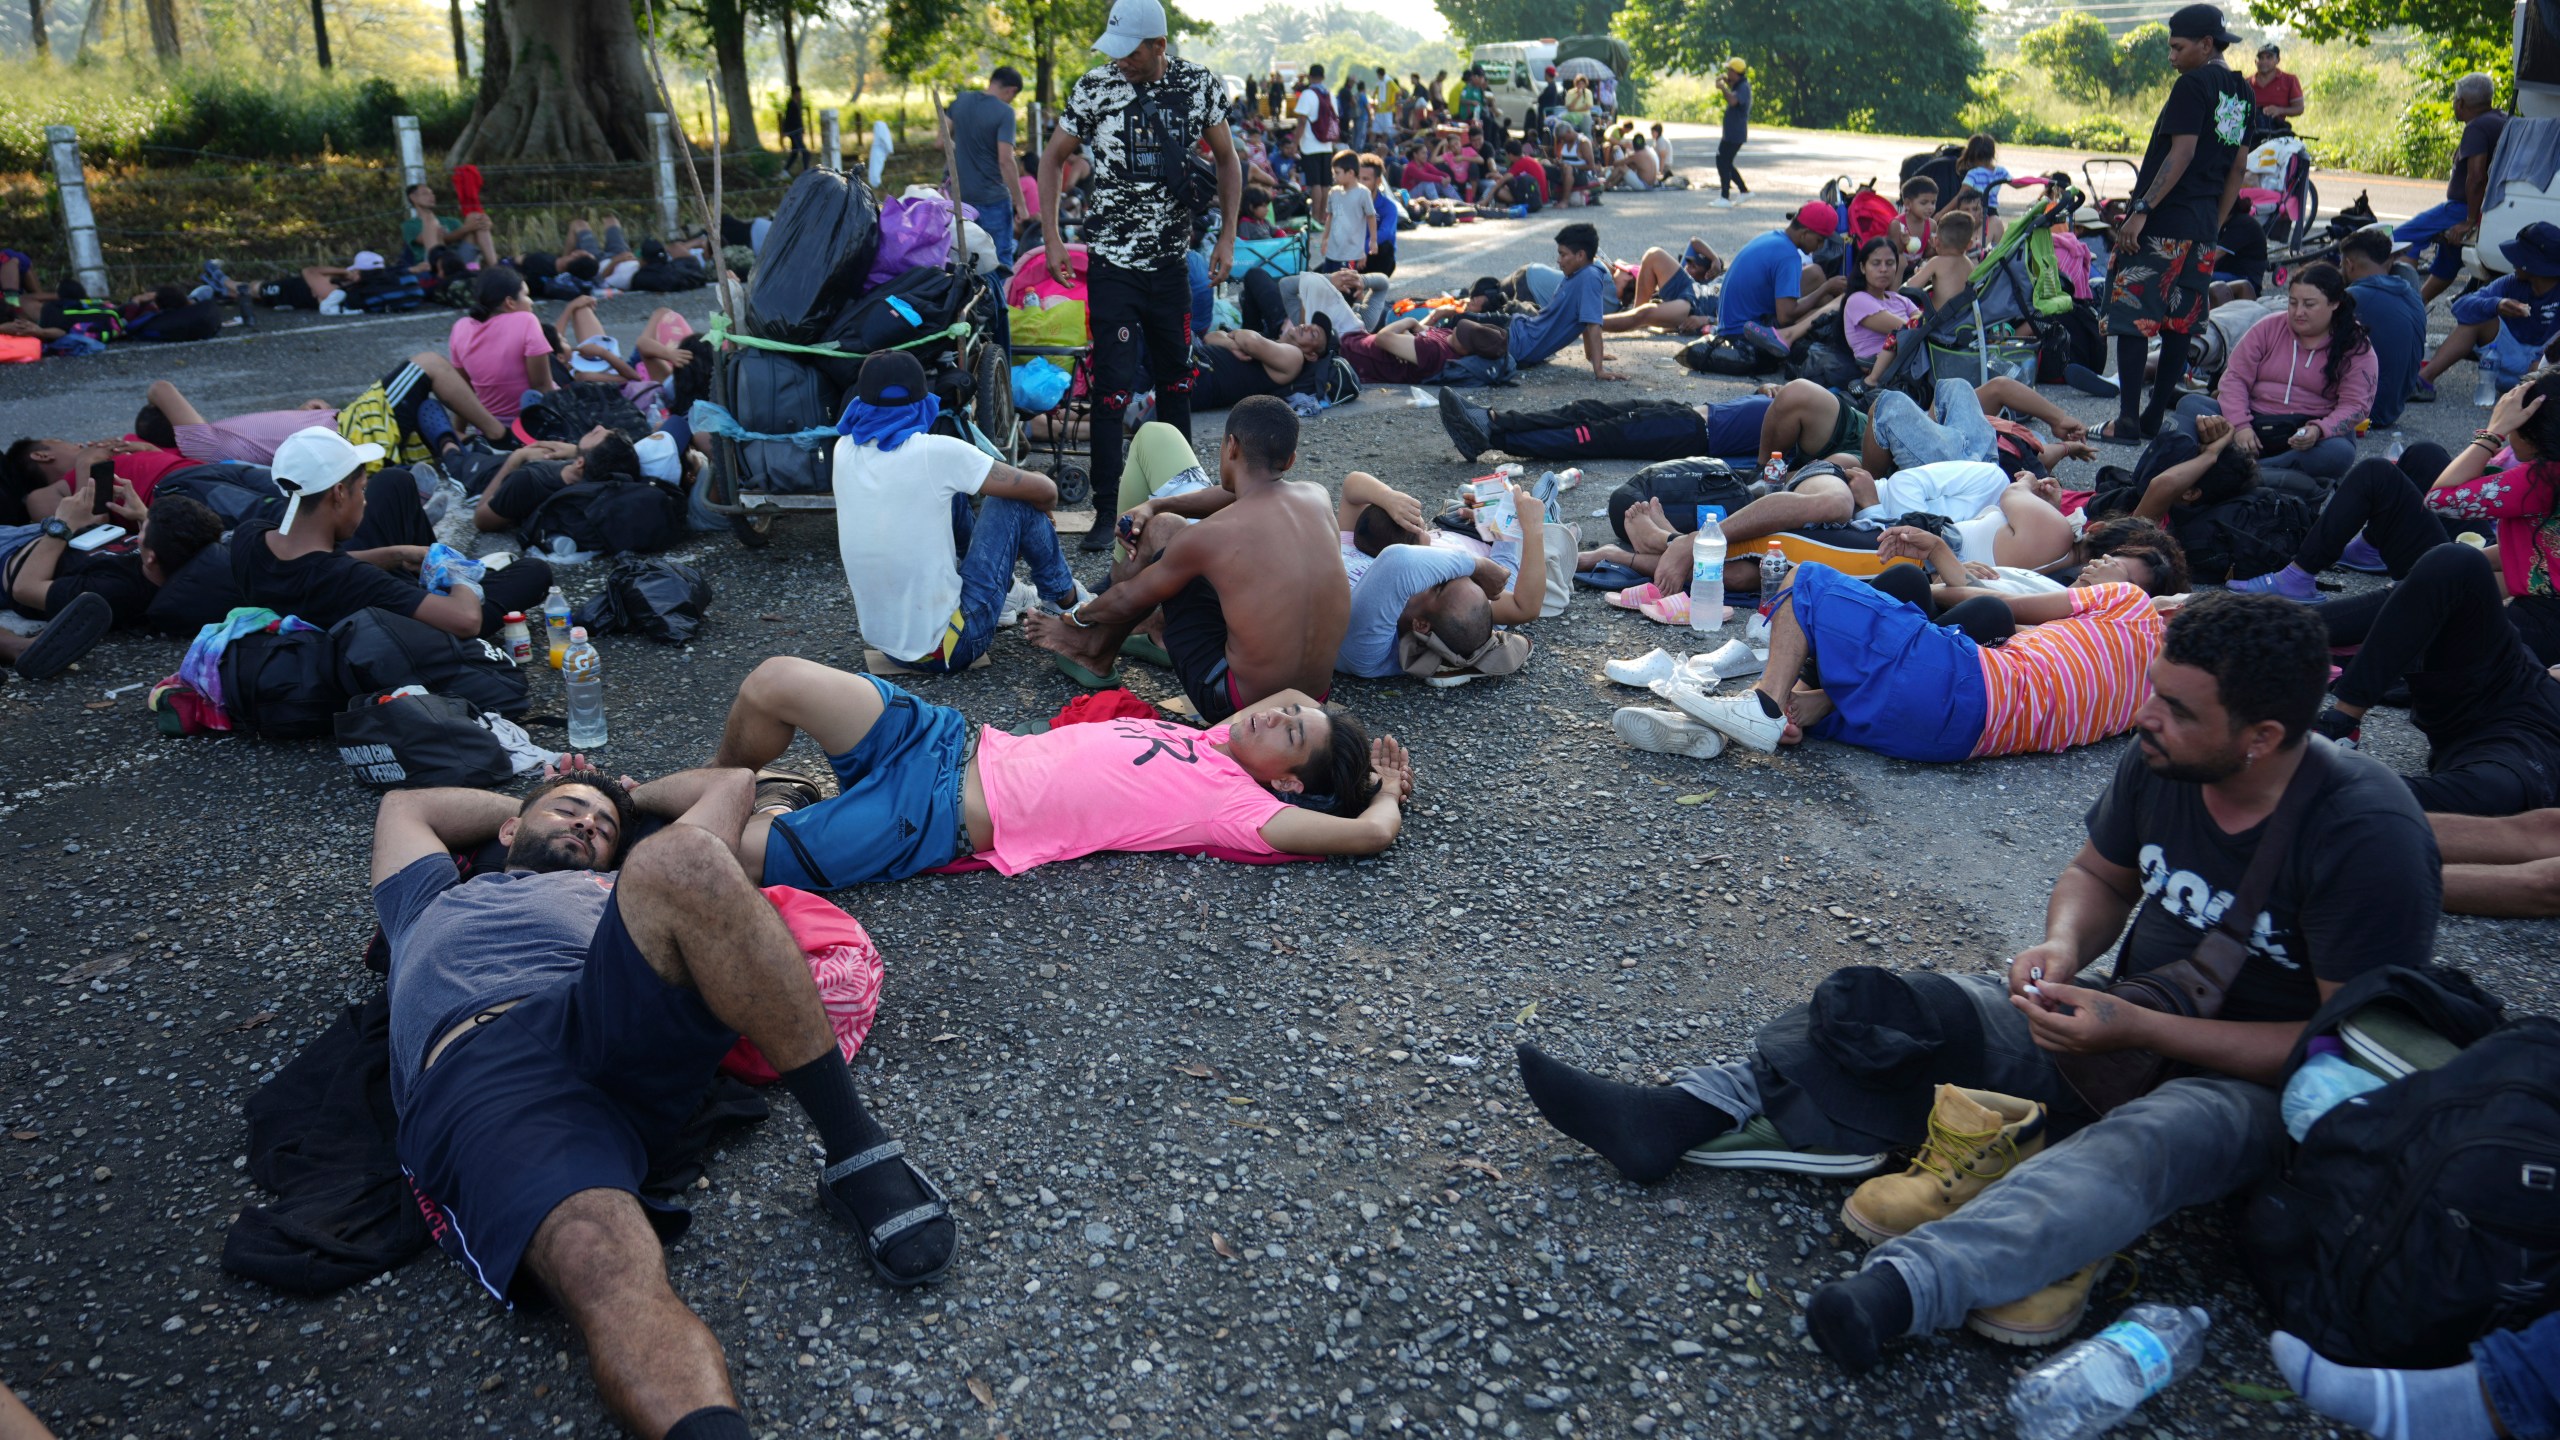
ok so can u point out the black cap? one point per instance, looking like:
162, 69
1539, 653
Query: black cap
2201, 22
890, 378
653, 251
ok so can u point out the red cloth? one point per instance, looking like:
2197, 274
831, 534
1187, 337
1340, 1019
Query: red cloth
1116, 703
846, 966
1870, 215
145, 470
466, 188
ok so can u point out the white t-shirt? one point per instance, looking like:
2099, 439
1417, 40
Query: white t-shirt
893, 527
1956, 489
1308, 108
2014, 581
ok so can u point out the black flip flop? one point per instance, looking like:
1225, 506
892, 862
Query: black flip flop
896, 1226
2106, 434
66, 637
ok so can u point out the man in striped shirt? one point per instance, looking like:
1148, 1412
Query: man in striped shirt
1894, 681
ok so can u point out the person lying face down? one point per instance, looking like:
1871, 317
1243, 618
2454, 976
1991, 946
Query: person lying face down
1417, 589
917, 788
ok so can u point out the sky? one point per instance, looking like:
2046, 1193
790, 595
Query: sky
1424, 18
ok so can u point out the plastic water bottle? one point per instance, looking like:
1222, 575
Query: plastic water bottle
2088, 1388
583, 669
1706, 576
555, 623
2396, 447
1773, 574
2486, 396
2324, 1080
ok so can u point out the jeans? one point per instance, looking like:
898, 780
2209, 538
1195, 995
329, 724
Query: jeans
2326, 460
2427, 227
997, 220
2385, 501
1003, 532
1603, 430
2475, 691
1204, 296
1135, 315
1956, 431
2520, 1373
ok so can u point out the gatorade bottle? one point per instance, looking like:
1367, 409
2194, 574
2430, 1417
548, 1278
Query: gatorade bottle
555, 622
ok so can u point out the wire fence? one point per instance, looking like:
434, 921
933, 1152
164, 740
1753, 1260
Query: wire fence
158, 223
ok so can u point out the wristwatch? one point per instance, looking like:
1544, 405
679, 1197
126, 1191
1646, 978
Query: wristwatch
55, 528
2138, 207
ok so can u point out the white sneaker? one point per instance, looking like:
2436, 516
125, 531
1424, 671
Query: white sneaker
1724, 202
1021, 597
1732, 661
1642, 671
1737, 717
335, 303
1666, 732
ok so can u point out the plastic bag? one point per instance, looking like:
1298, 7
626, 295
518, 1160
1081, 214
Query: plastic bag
912, 233
444, 566
1038, 388
815, 259
661, 599
1059, 326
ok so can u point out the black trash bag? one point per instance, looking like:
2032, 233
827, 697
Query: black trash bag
660, 599
826, 233
569, 412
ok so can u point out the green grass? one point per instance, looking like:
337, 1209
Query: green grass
131, 114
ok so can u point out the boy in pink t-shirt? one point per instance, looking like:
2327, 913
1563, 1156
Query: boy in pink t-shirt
918, 788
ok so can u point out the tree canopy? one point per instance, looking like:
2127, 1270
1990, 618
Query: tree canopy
2084, 64
1487, 22
1828, 65
941, 38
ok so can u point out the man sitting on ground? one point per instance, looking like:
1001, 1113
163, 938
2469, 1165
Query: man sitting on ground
1253, 596
554, 1024
916, 790
1575, 310
469, 240
1447, 592
929, 580
2236, 687
1894, 681
297, 566
1773, 292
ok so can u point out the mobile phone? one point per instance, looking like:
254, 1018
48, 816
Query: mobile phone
97, 536
102, 486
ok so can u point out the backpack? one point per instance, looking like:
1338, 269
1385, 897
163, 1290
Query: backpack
2416, 1218
281, 686
617, 517
2255, 534
1328, 125
1682, 486
1725, 355
374, 649
576, 408
1870, 214
394, 740
1333, 382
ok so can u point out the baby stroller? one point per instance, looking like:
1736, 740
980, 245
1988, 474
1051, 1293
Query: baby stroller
2277, 188
1049, 326
1978, 333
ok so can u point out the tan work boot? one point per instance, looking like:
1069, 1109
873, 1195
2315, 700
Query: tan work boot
2049, 1315
1975, 1137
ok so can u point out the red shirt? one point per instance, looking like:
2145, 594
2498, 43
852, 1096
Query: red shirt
1535, 171
144, 471
2280, 89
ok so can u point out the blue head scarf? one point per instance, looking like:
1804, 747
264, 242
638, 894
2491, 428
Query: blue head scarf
892, 412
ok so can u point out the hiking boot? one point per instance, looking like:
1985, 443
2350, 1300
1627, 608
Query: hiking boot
1757, 1145
1975, 1137
2047, 1316
1470, 427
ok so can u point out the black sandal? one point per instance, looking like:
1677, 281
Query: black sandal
2106, 434
874, 1241
70, 634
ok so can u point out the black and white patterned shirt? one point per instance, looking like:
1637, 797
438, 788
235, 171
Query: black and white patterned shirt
1137, 138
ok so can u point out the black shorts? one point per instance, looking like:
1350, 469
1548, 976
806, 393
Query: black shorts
1195, 635
573, 1089
2163, 286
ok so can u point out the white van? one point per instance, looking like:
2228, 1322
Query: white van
1516, 65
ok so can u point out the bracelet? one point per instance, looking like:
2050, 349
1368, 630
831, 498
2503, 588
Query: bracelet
1070, 617
2490, 440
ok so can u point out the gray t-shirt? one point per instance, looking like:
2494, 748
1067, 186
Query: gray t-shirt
980, 124
1377, 602
458, 947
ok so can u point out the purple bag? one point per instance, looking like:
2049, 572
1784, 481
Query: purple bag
912, 233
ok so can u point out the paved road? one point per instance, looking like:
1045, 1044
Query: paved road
1126, 1070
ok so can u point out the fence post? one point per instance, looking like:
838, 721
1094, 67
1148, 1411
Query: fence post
413, 156
832, 134
662, 127
88, 261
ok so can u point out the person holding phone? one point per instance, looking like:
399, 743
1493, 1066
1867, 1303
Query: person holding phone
82, 592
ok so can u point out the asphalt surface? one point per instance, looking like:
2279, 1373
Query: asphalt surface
1235, 1150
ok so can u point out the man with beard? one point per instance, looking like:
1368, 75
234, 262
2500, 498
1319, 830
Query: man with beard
553, 1025
1830, 1086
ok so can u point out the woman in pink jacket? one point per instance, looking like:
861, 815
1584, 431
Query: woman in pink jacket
2298, 383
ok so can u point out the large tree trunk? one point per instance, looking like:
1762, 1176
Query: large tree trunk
320, 32
561, 80
164, 29
35, 27
727, 21
461, 47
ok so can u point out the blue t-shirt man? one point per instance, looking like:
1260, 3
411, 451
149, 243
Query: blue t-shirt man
1763, 270
1582, 300
1392, 580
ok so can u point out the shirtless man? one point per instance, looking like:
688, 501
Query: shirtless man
1253, 595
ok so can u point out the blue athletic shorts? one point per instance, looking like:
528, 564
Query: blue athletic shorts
896, 811
1899, 685
575, 1088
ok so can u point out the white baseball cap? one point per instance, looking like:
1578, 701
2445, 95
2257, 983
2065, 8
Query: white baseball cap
366, 260
315, 460
1133, 23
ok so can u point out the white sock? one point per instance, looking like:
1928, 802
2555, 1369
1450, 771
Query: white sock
2392, 1404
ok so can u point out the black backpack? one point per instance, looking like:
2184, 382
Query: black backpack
2419, 1217
1682, 486
569, 412
374, 649
617, 517
395, 742
2239, 539
282, 686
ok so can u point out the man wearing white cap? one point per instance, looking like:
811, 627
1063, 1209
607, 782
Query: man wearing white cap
1141, 118
296, 566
